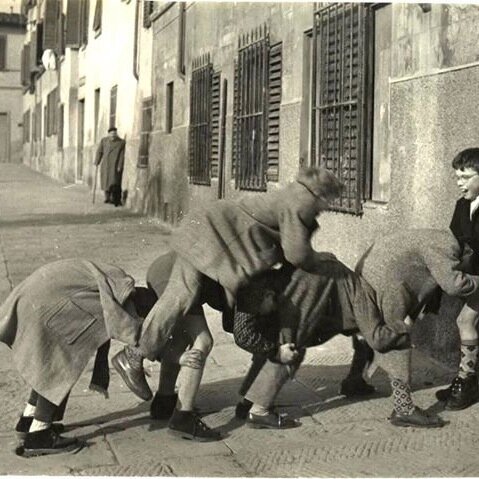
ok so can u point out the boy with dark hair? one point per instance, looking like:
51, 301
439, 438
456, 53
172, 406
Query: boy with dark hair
464, 389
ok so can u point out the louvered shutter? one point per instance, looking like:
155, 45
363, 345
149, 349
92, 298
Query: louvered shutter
215, 123
73, 21
275, 74
33, 51
50, 29
23, 73
235, 136
3, 52
97, 17
60, 127
85, 18
60, 48
147, 9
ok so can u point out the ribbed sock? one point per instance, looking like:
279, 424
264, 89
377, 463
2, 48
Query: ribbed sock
402, 399
469, 356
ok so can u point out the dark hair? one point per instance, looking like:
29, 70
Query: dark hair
468, 158
112, 128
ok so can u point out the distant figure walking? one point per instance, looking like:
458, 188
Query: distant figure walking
111, 156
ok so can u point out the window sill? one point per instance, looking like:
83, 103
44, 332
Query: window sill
375, 204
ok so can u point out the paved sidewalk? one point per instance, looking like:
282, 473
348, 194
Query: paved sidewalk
42, 220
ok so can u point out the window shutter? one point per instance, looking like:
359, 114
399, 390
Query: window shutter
146, 127
73, 21
51, 26
97, 17
60, 48
85, 18
33, 51
60, 127
235, 139
39, 42
3, 52
215, 123
147, 10
275, 72
23, 73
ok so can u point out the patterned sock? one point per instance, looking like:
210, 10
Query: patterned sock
29, 410
402, 397
469, 356
134, 357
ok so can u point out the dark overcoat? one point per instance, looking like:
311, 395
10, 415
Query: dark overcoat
55, 320
231, 241
405, 267
111, 157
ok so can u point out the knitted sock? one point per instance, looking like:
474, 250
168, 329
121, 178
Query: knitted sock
402, 397
39, 425
134, 357
258, 410
469, 356
29, 410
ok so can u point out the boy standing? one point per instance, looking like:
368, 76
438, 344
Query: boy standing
464, 389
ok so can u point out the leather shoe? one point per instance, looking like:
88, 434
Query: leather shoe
463, 392
134, 377
272, 420
40, 443
418, 418
188, 425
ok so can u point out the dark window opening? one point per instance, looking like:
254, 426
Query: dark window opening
113, 101
169, 108
146, 128
3, 52
181, 39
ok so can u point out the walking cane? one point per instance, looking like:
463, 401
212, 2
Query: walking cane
94, 183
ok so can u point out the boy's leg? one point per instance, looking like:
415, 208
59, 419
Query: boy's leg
244, 405
397, 364
43, 438
464, 389
179, 297
184, 421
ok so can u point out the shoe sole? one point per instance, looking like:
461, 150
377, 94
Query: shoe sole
45, 452
119, 369
191, 437
423, 426
253, 425
460, 408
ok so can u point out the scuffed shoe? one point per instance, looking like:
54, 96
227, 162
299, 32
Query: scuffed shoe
162, 406
134, 377
463, 393
356, 387
24, 422
272, 420
418, 418
188, 425
40, 443
242, 409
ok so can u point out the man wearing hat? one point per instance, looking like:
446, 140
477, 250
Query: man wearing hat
111, 156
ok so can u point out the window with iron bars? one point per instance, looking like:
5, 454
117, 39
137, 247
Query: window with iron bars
146, 127
341, 122
203, 143
257, 101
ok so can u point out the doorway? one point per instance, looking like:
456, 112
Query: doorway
4, 138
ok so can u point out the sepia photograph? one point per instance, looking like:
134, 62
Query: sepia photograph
239, 238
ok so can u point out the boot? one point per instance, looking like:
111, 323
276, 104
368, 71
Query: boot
188, 425
462, 393
40, 443
132, 374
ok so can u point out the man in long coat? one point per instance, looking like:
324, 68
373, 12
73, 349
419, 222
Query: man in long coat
54, 322
111, 157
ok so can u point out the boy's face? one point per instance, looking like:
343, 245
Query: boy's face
268, 304
468, 182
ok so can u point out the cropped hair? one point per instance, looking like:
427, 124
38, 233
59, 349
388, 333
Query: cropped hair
468, 158
320, 181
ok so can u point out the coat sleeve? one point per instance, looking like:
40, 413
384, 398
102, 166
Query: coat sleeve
455, 225
249, 337
444, 262
99, 153
121, 157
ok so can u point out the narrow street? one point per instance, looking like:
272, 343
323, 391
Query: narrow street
42, 220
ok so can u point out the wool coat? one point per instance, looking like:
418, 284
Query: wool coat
55, 320
111, 157
405, 268
231, 241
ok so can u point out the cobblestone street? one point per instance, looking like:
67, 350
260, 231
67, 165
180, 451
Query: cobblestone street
42, 220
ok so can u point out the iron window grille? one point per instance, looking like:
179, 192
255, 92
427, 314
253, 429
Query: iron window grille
257, 100
342, 98
146, 128
203, 142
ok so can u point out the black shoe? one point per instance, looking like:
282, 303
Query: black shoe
188, 425
463, 393
356, 387
242, 409
24, 423
162, 407
44, 442
418, 418
134, 378
271, 421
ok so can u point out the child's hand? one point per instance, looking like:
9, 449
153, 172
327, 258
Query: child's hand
287, 353
194, 358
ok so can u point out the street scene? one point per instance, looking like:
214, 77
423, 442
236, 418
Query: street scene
239, 239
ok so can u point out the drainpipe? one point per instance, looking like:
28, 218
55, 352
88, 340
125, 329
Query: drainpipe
135, 41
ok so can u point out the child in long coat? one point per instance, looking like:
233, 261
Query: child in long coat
54, 322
